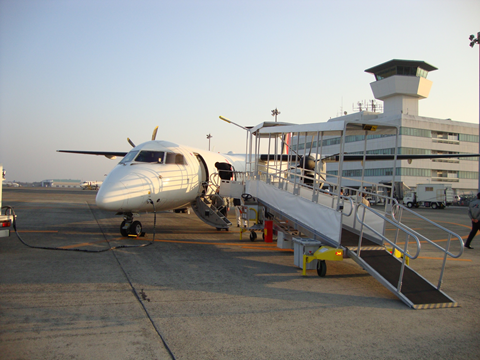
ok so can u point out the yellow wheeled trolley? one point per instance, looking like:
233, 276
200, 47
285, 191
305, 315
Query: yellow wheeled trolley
251, 220
322, 254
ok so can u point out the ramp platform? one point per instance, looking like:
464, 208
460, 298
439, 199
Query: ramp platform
296, 188
419, 293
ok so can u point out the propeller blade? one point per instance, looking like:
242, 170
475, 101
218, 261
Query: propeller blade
154, 134
130, 142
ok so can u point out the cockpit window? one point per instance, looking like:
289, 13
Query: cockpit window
151, 157
173, 158
129, 157
157, 157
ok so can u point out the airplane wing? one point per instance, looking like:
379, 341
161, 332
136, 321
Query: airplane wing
108, 154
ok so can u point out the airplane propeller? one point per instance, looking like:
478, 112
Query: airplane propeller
154, 136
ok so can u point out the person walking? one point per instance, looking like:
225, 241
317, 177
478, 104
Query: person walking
474, 213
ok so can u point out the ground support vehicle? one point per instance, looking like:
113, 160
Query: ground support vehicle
435, 196
6, 217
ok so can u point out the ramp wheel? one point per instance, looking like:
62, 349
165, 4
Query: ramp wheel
321, 268
123, 232
136, 228
253, 235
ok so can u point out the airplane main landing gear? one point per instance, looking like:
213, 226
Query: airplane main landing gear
130, 227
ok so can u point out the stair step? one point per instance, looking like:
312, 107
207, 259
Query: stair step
210, 215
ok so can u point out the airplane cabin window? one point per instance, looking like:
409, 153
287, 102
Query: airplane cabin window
151, 157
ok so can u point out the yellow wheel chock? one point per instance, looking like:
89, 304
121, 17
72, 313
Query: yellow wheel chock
398, 255
322, 254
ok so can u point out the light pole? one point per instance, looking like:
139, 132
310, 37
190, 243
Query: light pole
474, 41
275, 113
209, 136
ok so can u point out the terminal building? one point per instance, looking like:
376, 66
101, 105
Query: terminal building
400, 84
68, 183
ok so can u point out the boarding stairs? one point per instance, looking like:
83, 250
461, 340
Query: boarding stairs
209, 214
360, 231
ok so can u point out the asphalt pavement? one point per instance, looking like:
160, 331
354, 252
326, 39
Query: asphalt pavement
199, 293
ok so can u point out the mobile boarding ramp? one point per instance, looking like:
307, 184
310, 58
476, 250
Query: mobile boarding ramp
291, 180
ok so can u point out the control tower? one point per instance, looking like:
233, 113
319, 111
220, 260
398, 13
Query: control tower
400, 84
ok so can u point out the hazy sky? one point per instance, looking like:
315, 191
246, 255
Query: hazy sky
85, 75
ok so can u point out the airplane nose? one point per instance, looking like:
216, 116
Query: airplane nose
111, 195
125, 190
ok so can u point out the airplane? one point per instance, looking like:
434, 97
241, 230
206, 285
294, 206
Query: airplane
91, 185
11, 184
160, 175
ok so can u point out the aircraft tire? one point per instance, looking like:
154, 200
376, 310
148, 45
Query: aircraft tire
136, 228
321, 268
123, 232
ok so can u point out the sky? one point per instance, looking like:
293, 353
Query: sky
85, 75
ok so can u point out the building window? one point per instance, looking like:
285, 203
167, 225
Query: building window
415, 132
471, 175
468, 138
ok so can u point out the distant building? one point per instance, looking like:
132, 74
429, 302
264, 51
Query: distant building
400, 84
61, 183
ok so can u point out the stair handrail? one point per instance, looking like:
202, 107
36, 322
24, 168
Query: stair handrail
445, 250
349, 198
401, 226
451, 233
404, 252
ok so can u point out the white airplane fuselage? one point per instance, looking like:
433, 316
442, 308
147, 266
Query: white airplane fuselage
167, 174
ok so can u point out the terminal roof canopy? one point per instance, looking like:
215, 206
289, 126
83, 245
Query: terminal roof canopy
329, 128
401, 67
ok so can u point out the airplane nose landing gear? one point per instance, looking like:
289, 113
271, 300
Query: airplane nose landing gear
130, 227
136, 228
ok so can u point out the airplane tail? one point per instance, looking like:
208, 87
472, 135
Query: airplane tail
286, 140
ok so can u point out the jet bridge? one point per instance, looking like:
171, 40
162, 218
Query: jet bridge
286, 172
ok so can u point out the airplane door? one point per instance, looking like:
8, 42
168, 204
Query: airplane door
203, 171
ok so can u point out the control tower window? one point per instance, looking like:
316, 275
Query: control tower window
386, 73
401, 70
422, 73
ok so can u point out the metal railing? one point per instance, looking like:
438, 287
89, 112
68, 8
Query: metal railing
397, 212
404, 252
278, 178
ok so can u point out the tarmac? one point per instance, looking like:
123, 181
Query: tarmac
199, 293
